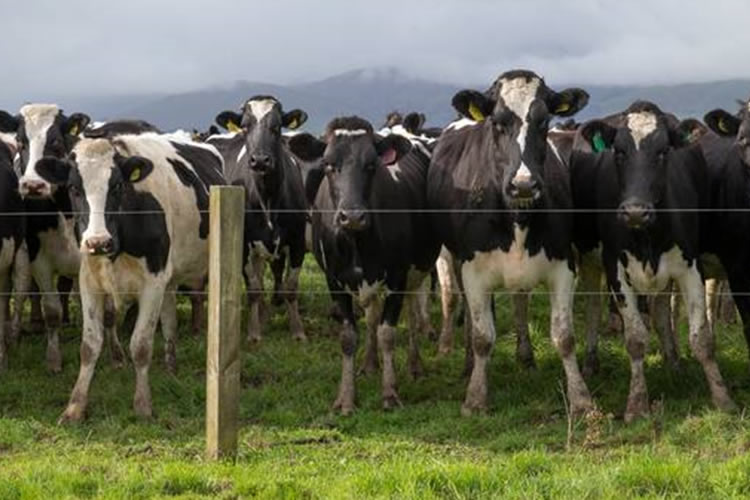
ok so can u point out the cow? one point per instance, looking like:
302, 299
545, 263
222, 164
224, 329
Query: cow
727, 153
140, 204
258, 158
495, 189
12, 226
649, 187
370, 235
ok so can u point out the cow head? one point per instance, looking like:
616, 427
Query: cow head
261, 121
642, 142
735, 126
518, 107
97, 173
351, 155
43, 131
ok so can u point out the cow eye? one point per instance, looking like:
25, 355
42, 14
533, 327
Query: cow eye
75, 192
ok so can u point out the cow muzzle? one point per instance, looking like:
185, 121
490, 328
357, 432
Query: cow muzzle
636, 215
351, 220
261, 163
35, 189
524, 192
98, 245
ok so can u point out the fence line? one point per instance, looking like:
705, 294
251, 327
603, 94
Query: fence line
315, 292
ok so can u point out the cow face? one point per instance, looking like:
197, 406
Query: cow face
735, 126
641, 145
351, 156
519, 102
43, 131
97, 177
261, 122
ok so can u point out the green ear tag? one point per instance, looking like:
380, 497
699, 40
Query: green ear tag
597, 142
475, 112
135, 175
723, 125
233, 127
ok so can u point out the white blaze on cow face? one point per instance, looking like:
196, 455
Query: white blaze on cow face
641, 125
518, 95
349, 133
38, 119
96, 161
260, 108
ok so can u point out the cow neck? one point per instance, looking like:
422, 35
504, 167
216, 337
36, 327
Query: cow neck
61, 199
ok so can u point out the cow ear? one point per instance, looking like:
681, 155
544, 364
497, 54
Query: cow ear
294, 119
473, 105
392, 148
76, 123
413, 122
8, 122
229, 120
598, 135
135, 168
568, 102
306, 147
686, 132
53, 170
723, 123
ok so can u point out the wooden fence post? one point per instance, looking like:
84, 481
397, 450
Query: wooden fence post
223, 365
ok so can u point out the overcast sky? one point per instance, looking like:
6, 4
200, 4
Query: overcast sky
78, 47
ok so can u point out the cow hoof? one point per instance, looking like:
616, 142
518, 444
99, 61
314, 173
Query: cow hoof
591, 365
171, 364
73, 413
300, 337
143, 409
54, 364
391, 400
344, 406
471, 409
253, 339
444, 350
724, 403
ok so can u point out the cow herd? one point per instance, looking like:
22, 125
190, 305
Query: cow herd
498, 199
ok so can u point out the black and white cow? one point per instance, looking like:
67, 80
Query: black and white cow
140, 205
11, 230
258, 158
727, 153
494, 188
370, 234
649, 185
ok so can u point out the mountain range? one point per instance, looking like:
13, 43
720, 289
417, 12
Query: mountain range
373, 92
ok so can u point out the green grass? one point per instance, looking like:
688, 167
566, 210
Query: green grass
292, 446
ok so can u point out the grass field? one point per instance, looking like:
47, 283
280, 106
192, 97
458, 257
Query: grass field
293, 446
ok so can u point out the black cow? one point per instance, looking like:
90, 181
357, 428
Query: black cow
141, 205
727, 153
494, 188
370, 233
256, 157
11, 232
648, 186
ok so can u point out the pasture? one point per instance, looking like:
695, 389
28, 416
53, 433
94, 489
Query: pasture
292, 446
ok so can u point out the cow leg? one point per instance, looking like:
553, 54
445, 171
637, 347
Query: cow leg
478, 302
198, 319
421, 301
416, 327
345, 399
661, 317
712, 301
64, 287
636, 337
386, 341
51, 309
561, 284
168, 318
92, 302
590, 286
142, 345
4, 301
524, 350
254, 297
448, 300
614, 319
21, 289
36, 319
701, 337
373, 313
727, 312
264, 310
279, 287
291, 284
110, 328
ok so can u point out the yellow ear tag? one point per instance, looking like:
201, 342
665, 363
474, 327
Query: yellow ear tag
723, 125
73, 130
562, 107
135, 175
475, 113
294, 124
232, 127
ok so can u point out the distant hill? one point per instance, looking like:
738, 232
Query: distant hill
372, 93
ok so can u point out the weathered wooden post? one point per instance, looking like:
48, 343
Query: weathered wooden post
223, 365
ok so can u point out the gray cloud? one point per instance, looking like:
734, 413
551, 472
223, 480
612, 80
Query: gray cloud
80, 47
